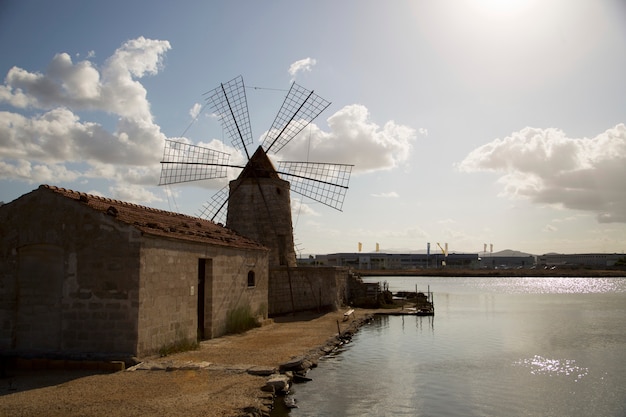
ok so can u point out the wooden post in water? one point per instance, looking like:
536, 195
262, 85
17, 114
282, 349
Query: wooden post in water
432, 300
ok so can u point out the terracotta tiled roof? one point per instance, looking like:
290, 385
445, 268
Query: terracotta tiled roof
159, 222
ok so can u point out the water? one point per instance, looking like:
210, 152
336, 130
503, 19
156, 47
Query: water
496, 347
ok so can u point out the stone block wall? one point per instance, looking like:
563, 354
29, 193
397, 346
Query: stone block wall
68, 279
169, 290
260, 209
230, 290
306, 288
76, 282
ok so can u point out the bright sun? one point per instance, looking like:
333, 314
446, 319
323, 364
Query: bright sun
500, 8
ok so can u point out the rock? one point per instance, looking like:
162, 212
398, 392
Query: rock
278, 383
292, 365
329, 348
297, 365
301, 377
253, 411
187, 366
290, 401
262, 370
313, 362
268, 388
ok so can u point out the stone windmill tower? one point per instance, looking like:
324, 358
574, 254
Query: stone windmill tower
259, 207
258, 202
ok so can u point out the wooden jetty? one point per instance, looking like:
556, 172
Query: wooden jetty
424, 304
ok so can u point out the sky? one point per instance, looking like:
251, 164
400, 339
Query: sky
497, 124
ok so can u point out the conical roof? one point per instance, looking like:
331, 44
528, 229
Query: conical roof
259, 166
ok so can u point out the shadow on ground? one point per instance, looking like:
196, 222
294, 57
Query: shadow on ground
300, 316
18, 380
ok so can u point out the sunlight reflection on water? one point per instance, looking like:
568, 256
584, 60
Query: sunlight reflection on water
496, 346
507, 285
553, 285
539, 365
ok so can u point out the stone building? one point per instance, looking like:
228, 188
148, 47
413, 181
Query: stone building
259, 207
82, 275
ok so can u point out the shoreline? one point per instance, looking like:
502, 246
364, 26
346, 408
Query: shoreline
225, 377
513, 273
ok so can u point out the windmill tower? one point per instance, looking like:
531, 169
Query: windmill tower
258, 202
260, 207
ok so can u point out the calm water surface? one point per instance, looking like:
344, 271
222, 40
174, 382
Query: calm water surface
496, 347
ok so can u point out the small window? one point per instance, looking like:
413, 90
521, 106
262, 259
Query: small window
251, 282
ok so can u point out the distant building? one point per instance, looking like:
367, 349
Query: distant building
395, 261
522, 261
579, 259
501, 260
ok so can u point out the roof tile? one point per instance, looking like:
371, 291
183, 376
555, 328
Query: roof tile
159, 222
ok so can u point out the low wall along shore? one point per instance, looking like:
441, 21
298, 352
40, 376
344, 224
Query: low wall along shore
304, 288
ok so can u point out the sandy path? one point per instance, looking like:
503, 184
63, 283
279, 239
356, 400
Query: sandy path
223, 388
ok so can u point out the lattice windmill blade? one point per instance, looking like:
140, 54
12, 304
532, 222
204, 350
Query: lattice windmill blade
215, 208
183, 162
325, 183
301, 107
229, 102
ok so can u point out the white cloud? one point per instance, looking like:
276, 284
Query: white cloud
45, 136
549, 228
41, 146
133, 194
195, 110
547, 167
36, 173
354, 139
299, 208
391, 194
410, 233
303, 65
81, 86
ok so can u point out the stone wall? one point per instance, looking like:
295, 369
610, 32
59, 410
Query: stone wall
170, 287
230, 290
260, 209
68, 279
306, 288
75, 282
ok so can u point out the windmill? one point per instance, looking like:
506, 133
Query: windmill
257, 203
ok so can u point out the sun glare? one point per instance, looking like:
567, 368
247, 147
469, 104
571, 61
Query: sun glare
500, 8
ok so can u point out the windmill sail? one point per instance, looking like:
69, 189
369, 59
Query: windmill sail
215, 209
229, 102
183, 162
301, 107
323, 182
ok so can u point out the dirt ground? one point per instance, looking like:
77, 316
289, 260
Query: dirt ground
221, 386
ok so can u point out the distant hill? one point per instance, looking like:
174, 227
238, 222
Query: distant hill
510, 253
435, 250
